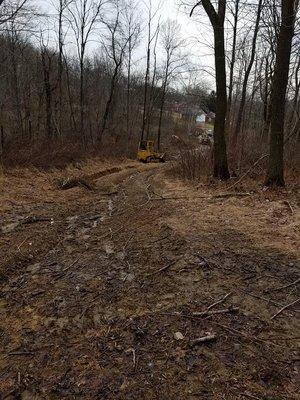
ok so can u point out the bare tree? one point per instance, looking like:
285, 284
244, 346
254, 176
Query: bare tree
10, 9
83, 16
172, 45
247, 73
47, 65
154, 84
150, 37
217, 18
233, 58
115, 50
132, 31
275, 173
61, 8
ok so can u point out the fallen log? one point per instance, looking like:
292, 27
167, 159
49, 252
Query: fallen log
70, 183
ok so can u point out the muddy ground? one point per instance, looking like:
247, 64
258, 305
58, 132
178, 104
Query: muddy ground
99, 289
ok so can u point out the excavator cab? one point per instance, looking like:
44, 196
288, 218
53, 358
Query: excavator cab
146, 152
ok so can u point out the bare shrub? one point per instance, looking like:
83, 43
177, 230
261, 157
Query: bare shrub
58, 153
191, 160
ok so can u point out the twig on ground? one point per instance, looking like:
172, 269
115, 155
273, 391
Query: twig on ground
287, 203
165, 268
250, 396
275, 303
218, 302
233, 194
231, 330
147, 192
132, 350
62, 273
21, 353
285, 307
158, 195
204, 339
283, 287
32, 219
216, 196
209, 313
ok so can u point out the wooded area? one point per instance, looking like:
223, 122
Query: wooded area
93, 74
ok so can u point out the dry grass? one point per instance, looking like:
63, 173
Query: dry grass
192, 160
60, 153
25, 186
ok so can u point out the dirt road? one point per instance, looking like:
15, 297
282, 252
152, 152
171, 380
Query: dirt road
99, 291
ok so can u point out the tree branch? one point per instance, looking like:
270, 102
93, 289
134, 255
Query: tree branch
210, 10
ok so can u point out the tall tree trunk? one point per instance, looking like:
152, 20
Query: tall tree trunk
81, 100
217, 21
232, 64
152, 88
48, 92
247, 74
109, 102
71, 103
220, 155
161, 111
60, 66
275, 172
128, 91
144, 119
16, 89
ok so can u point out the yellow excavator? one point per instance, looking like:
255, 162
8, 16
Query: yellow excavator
147, 154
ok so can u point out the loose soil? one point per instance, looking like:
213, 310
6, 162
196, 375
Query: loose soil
98, 288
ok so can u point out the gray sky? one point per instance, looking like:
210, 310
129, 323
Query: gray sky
195, 30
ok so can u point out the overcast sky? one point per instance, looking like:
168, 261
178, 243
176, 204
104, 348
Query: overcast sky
195, 30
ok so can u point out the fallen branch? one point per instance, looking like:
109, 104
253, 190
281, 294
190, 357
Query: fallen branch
250, 396
70, 183
165, 268
204, 339
283, 287
21, 353
233, 194
285, 307
34, 219
63, 272
247, 172
218, 302
209, 313
215, 196
231, 330
287, 203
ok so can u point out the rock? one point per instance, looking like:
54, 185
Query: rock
178, 336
